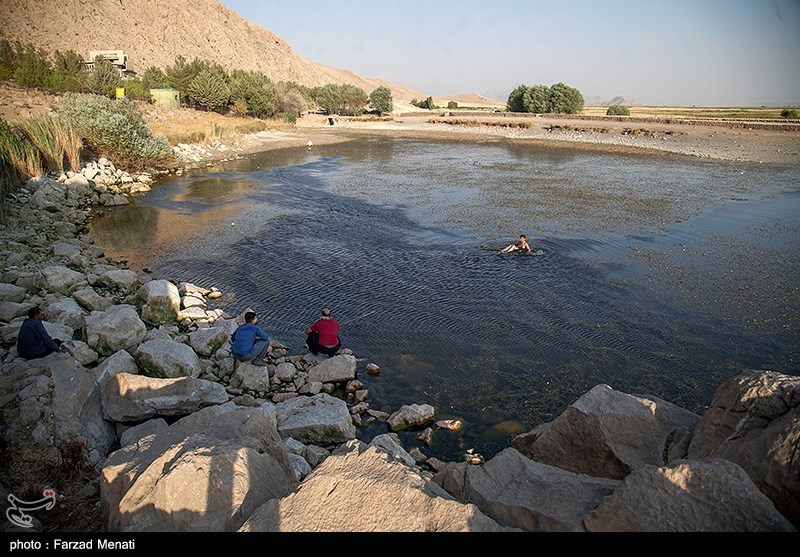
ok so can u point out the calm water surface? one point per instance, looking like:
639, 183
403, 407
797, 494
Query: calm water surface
663, 276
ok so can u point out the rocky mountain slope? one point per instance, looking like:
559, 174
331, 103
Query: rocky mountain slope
153, 33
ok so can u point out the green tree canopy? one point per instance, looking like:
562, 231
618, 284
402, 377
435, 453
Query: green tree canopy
516, 100
104, 78
256, 90
209, 90
381, 100
154, 78
565, 99
69, 72
354, 99
618, 110
33, 69
452, 105
536, 99
181, 74
329, 97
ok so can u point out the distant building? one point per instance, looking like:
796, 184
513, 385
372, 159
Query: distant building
168, 98
118, 59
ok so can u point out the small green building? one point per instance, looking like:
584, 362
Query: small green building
168, 98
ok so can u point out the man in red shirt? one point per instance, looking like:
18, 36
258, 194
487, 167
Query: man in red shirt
323, 336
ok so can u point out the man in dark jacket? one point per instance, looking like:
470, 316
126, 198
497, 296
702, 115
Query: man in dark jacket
33, 341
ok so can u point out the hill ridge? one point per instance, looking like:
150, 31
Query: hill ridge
206, 29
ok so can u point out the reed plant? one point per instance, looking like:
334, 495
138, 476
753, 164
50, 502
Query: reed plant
57, 141
19, 159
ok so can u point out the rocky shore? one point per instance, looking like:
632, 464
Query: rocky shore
149, 424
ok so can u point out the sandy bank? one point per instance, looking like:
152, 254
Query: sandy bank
707, 141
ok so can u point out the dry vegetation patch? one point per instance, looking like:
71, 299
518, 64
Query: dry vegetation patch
481, 123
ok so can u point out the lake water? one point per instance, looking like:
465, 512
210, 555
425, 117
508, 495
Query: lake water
660, 275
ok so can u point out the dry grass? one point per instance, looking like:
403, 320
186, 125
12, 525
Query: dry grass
758, 113
480, 123
185, 125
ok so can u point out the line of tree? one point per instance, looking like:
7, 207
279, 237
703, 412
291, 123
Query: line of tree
201, 83
541, 99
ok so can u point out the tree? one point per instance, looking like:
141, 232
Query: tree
788, 113
209, 90
565, 99
154, 78
256, 90
381, 100
68, 73
536, 99
329, 98
290, 100
104, 79
10, 58
33, 70
135, 89
515, 101
618, 110
181, 74
452, 105
353, 99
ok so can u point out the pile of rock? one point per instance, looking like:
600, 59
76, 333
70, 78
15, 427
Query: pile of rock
111, 185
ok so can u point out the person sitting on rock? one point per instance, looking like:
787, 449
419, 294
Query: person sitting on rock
323, 335
33, 340
250, 342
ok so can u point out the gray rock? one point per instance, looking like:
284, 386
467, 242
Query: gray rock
91, 300
391, 443
411, 416
319, 420
122, 280
608, 434
12, 293
117, 328
207, 341
166, 358
333, 370
135, 398
754, 421
119, 362
162, 302
357, 489
58, 278
11, 310
706, 495
518, 492
205, 473
66, 311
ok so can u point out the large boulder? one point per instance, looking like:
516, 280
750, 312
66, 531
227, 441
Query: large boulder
607, 434
411, 416
521, 493
117, 328
123, 281
59, 279
337, 369
162, 357
161, 302
135, 398
12, 293
706, 495
361, 488
67, 312
207, 341
321, 420
207, 472
754, 421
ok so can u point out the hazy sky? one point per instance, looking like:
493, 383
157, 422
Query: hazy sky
660, 52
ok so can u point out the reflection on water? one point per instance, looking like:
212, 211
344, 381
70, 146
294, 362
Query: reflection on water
400, 238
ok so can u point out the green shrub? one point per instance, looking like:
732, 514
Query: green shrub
452, 105
788, 113
116, 129
618, 110
289, 118
381, 100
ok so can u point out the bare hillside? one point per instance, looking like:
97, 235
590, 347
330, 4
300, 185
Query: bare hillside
153, 33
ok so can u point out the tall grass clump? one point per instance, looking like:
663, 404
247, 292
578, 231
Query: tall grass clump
57, 141
19, 160
115, 128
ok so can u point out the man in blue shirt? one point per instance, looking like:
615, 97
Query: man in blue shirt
33, 341
250, 342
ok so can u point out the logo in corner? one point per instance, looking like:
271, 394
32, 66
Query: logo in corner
16, 513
